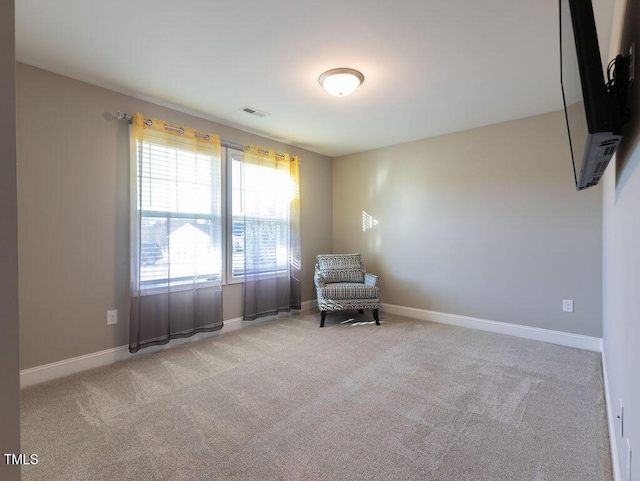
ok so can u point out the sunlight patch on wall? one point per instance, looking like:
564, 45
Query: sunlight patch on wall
380, 183
368, 222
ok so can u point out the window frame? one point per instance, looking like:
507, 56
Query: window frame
229, 154
177, 283
230, 278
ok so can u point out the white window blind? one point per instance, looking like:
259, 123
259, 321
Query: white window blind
260, 200
179, 215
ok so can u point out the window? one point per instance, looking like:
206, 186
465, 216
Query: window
179, 215
260, 210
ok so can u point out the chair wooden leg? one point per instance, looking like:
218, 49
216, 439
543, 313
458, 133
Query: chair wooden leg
323, 314
375, 316
361, 311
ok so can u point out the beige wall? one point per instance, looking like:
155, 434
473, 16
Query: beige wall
73, 213
483, 223
621, 266
9, 367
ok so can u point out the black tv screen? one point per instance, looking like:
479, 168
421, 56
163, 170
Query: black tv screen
592, 123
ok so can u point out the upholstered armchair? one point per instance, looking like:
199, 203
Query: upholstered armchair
342, 283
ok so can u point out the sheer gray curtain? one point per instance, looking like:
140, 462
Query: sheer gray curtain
270, 189
176, 235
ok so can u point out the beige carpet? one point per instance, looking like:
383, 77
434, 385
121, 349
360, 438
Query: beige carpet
286, 400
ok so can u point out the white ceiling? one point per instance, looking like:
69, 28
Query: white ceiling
431, 66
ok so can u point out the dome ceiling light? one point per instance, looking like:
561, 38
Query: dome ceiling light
341, 81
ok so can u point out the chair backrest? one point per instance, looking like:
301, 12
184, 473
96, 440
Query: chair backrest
340, 267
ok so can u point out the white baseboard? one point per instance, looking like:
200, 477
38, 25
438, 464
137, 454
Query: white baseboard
47, 372
537, 334
611, 421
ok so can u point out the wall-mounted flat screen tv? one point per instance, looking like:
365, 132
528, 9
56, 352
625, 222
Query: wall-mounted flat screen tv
592, 121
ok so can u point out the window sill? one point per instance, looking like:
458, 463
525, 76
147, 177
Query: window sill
176, 287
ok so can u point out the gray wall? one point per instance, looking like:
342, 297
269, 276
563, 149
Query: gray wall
621, 263
73, 213
9, 368
483, 223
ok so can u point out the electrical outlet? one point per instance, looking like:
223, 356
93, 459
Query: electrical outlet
567, 305
112, 317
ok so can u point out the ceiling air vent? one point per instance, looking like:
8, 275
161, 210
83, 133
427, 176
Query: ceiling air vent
252, 111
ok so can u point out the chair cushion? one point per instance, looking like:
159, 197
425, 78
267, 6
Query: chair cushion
340, 267
339, 261
347, 290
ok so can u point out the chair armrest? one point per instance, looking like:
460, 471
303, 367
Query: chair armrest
370, 280
318, 280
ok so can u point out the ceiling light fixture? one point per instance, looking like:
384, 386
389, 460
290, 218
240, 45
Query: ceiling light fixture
341, 81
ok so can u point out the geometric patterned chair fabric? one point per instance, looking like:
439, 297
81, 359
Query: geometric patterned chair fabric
342, 283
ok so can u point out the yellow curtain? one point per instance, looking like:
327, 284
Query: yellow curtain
271, 205
176, 232
164, 133
296, 259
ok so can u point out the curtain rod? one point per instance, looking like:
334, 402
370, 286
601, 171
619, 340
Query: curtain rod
224, 143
